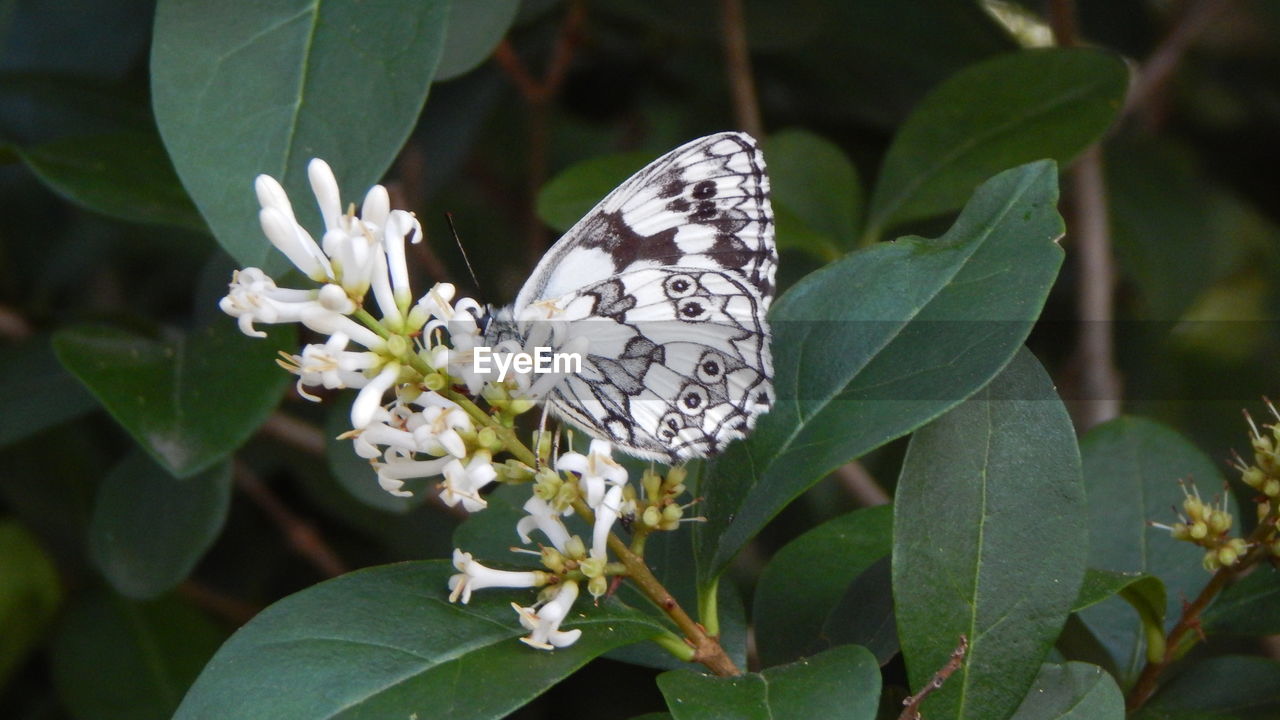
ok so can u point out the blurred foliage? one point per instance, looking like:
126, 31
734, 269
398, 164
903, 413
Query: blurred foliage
127, 556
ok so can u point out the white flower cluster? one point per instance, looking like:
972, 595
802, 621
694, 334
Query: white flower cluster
600, 481
404, 363
419, 433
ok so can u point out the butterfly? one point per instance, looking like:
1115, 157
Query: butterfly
669, 279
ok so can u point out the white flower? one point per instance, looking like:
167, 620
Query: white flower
329, 365
400, 466
596, 468
464, 484
474, 576
252, 296
435, 429
281, 227
369, 400
606, 515
544, 623
545, 518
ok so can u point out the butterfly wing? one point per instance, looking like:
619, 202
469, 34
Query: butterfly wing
678, 363
703, 205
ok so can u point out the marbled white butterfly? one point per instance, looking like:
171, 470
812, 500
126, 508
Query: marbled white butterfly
669, 278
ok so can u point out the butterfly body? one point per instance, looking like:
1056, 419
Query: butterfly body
669, 279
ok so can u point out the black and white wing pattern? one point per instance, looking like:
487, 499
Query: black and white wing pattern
669, 278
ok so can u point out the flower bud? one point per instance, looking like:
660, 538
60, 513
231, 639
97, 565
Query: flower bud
1227, 556
553, 560
675, 477
652, 517
1253, 477
1194, 508
1198, 530
435, 382
1219, 522
1211, 562
592, 567
521, 405
1271, 488
598, 586
652, 484
575, 548
1180, 532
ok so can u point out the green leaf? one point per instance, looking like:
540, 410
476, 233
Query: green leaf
875, 345
1074, 691
187, 399
30, 593
1229, 687
386, 642
824, 561
150, 529
1131, 472
843, 682
475, 29
572, 193
124, 175
989, 542
864, 614
1099, 585
816, 194
114, 659
992, 115
246, 88
36, 392
1249, 607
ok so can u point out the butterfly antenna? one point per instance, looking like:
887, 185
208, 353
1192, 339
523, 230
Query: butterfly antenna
453, 229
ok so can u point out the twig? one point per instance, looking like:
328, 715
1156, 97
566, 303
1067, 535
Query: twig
12, 325
1095, 290
733, 29
911, 706
1145, 686
1163, 62
234, 610
1099, 378
539, 94
295, 432
301, 535
861, 486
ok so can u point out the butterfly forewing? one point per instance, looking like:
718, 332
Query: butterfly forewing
704, 204
669, 278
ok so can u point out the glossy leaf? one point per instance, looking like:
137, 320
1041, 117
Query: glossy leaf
36, 391
843, 682
416, 652
875, 345
149, 529
824, 561
989, 542
1131, 471
30, 594
864, 614
1229, 687
125, 175
187, 399
241, 89
572, 193
1074, 691
475, 29
1249, 607
114, 659
1099, 585
1004, 111
816, 194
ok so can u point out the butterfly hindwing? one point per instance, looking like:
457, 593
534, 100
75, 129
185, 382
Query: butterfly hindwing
678, 363
704, 204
